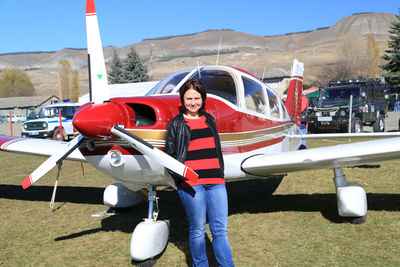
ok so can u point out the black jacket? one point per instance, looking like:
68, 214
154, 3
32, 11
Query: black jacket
178, 138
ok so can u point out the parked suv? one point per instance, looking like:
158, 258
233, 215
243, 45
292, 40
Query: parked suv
47, 122
333, 113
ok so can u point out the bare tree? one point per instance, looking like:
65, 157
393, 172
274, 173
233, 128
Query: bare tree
373, 57
350, 57
64, 73
14, 82
355, 59
75, 86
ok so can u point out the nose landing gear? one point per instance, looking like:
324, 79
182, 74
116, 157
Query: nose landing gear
150, 237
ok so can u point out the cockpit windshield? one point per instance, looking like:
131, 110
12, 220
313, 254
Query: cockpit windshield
218, 82
168, 84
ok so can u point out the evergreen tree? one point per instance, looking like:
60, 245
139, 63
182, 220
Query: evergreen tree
15, 83
392, 56
115, 74
133, 68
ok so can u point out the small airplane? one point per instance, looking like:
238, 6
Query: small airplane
124, 138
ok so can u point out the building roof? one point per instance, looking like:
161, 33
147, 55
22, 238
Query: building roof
24, 102
125, 90
276, 73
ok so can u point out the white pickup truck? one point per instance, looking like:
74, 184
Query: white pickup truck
47, 121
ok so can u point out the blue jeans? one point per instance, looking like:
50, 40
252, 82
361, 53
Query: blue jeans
199, 202
303, 129
396, 106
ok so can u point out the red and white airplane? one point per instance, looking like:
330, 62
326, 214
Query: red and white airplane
124, 138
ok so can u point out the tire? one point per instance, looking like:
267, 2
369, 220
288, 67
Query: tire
356, 125
379, 124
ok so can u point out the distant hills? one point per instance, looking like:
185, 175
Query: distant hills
163, 55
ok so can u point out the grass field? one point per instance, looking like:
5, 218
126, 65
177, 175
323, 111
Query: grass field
298, 225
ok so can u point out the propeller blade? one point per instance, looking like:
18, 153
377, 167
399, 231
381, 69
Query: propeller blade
98, 84
51, 162
155, 154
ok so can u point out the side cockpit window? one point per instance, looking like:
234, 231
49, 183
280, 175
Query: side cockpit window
254, 96
274, 104
219, 83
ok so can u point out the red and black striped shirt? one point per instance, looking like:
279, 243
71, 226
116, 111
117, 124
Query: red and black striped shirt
202, 155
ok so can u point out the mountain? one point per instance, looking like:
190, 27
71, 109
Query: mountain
257, 54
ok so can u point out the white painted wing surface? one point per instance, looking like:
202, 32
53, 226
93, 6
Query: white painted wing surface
345, 155
38, 147
349, 135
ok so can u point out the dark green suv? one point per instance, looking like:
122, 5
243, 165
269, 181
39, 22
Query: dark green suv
334, 110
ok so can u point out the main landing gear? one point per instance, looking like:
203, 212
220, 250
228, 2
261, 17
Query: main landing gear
351, 198
150, 237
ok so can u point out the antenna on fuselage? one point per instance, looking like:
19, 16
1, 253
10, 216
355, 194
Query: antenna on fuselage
262, 79
198, 69
219, 48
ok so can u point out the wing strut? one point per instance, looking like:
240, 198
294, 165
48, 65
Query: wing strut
53, 196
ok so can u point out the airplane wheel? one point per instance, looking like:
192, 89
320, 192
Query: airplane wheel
357, 220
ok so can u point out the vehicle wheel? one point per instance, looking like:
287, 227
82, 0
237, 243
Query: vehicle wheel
58, 135
379, 124
356, 125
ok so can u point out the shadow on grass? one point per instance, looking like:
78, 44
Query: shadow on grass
70, 194
252, 196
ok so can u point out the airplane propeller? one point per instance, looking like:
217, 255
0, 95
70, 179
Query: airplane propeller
51, 162
155, 154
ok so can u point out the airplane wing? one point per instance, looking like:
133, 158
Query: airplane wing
344, 155
39, 147
349, 135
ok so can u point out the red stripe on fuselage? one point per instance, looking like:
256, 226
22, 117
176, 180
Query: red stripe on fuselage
128, 150
248, 148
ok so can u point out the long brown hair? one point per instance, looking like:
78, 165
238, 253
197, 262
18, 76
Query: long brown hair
199, 87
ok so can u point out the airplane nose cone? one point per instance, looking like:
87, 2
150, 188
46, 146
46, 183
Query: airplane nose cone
94, 121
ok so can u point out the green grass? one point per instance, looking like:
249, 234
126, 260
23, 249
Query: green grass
296, 226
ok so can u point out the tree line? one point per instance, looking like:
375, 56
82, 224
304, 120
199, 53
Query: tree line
16, 83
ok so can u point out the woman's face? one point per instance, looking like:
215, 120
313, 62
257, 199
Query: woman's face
192, 101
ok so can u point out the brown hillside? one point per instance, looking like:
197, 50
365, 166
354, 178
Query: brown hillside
315, 48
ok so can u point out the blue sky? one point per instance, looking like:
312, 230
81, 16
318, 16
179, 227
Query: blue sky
44, 25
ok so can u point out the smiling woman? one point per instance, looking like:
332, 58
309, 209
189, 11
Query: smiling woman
192, 138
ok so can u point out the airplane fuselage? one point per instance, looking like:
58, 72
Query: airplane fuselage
242, 135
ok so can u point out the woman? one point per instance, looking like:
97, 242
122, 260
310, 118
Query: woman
192, 138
